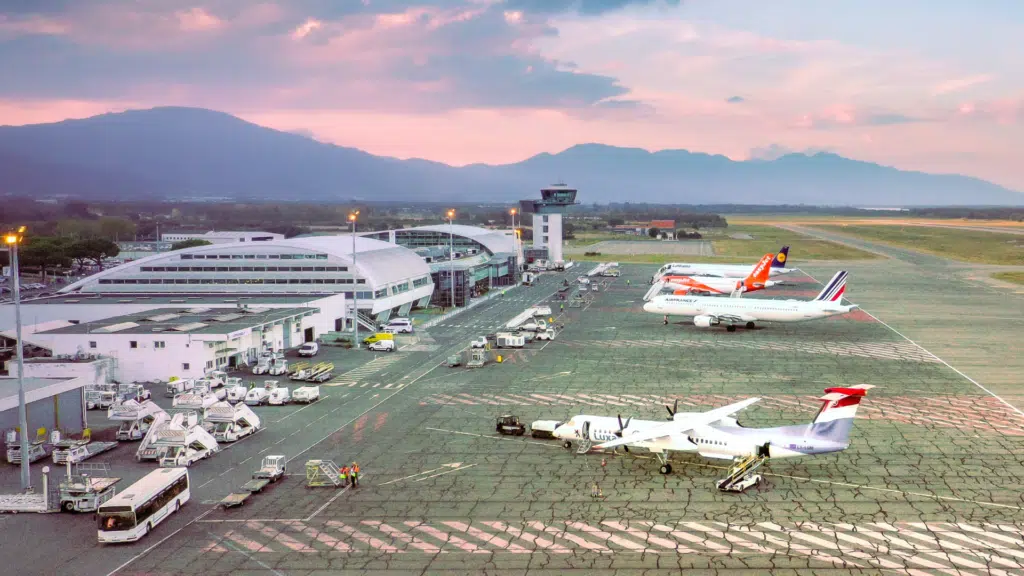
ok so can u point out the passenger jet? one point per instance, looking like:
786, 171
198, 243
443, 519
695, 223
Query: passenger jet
757, 279
716, 434
724, 270
710, 311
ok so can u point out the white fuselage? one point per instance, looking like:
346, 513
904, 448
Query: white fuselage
720, 270
724, 439
745, 309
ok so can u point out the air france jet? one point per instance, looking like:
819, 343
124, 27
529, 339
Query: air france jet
757, 279
778, 267
713, 311
716, 434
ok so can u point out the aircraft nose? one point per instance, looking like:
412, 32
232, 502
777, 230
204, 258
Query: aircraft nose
649, 307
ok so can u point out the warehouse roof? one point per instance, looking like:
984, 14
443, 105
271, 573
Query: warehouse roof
195, 320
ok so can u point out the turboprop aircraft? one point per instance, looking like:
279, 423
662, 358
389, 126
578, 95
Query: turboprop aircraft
716, 434
757, 279
710, 311
778, 267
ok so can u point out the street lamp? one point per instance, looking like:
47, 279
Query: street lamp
12, 240
515, 240
352, 216
451, 252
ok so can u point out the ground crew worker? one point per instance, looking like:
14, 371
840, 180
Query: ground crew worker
627, 282
344, 475
666, 320
595, 490
355, 475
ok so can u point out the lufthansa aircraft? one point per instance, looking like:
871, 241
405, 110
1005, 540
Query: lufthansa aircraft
708, 311
757, 279
778, 267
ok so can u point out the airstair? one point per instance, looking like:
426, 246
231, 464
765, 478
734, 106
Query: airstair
654, 290
194, 401
741, 475
322, 473
232, 422
135, 417
183, 440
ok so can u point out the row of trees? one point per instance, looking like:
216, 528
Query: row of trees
46, 253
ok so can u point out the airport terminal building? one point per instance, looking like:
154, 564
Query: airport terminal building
478, 258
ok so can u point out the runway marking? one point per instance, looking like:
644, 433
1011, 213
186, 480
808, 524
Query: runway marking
873, 350
902, 546
977, 413
325, 397
937, 359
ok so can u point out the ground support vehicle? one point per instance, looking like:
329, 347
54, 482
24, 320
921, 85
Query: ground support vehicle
176, 386
73, 451
272, 468
381, 346
37, 449
544, 428
135, 417
510, 425
306, 394
322, 473
232, 422
477, 358
86, 488
321, 372
279, 395
508, 340
453, 361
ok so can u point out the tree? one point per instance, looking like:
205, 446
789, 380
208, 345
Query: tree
653, 232
190, 243
46, 253
116, 228
95, 249
568, 231
616, 221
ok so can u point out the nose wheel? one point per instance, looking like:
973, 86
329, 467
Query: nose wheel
750, 325
567, 445
666, 469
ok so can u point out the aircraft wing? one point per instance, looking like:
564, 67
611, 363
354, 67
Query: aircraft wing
680, 426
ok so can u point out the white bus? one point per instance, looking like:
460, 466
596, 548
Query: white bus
133, 513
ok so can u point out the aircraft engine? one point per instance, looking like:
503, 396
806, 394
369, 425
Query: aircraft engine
704, 321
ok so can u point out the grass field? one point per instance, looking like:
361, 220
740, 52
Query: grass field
770, 239
957, 244
1015, 277
587, 238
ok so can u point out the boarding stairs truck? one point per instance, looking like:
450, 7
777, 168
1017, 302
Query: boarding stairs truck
306, 394
146, 449
176, 386
135, 418
217, 378
86, 487
197, 401
183, 441
534, 326
70, 450
232, 423
279, 395
262, 365
209, 387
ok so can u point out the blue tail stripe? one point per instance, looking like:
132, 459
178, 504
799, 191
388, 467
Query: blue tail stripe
833, 286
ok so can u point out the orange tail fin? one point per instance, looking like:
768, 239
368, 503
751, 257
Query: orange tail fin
759, 275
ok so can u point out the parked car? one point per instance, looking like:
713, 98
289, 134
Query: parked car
309, 349
382, 346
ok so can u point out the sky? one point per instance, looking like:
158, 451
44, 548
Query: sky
932, 85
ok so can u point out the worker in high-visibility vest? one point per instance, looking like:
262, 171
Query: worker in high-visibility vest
344, 476
355, 475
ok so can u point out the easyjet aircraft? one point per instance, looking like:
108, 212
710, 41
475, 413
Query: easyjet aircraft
778, 267
757, 279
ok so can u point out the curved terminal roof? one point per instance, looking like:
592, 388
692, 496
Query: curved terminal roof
378, 262
494, 241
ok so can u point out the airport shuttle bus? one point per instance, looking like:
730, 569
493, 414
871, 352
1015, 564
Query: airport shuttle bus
131, 514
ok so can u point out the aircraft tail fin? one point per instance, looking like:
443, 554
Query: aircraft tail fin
780, 259
833, 291
760, 272
838, 409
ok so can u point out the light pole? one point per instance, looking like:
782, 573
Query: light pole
451, 253
515, 243
12, 239
355, 284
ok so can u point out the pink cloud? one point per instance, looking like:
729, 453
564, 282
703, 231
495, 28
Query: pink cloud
958, 84
198, 19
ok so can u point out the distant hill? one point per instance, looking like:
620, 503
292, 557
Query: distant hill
173, 153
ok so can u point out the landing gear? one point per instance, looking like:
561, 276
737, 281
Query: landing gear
730, 328
567, 445
750, 325
666, 468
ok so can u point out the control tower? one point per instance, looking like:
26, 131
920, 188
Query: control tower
547, 218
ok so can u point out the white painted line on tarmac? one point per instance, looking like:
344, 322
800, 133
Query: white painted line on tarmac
928, 352
299, 410
459, 469
328, 503
252, 558
154, 546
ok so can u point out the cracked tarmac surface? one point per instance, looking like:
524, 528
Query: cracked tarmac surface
930, 484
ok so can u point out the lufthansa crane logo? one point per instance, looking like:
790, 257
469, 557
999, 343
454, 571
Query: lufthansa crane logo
781, 256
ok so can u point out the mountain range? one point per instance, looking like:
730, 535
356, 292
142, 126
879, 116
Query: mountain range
173, 153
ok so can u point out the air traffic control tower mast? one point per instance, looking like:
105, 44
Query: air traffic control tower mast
547, 218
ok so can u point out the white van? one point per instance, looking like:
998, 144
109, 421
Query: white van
399, 325
309, 349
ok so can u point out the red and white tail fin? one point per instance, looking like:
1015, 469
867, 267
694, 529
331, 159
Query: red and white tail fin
834, 290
